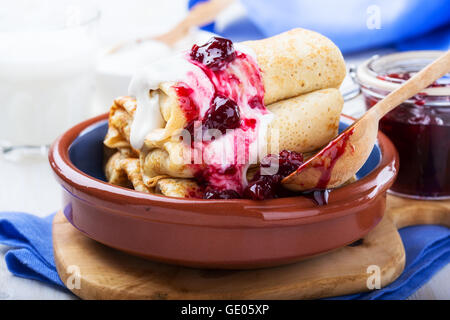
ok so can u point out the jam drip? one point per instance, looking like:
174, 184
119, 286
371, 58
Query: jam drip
326, 160
187, 104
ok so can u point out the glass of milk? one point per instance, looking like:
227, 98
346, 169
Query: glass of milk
47, 65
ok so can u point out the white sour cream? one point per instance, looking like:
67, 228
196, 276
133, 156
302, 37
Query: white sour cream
148, 115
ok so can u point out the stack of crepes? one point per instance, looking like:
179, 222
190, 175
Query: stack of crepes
300, 71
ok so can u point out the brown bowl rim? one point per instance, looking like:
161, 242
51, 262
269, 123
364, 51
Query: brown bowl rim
294, 210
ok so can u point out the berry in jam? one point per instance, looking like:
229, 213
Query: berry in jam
222, 115
269, 186
263, 187
211, 193
215, 54
289, 161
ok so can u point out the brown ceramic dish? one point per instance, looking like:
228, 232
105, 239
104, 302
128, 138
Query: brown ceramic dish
229, 234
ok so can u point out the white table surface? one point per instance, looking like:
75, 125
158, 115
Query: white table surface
29, 186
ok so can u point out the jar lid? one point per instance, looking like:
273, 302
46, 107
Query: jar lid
375, 72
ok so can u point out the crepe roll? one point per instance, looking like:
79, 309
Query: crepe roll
296, 62
179, 188
167, 161
302, 124
121, 116
305, 123
125, 172
114, 172
175, 90
120, 119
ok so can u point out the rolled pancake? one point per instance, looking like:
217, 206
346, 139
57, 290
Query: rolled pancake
120, 119
114, 172
180, 188
307, 122
296, 62
125, 171
167, 161
292, 63
121, 116
302, 124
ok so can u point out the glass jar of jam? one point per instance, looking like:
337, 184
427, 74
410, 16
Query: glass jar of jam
419, 127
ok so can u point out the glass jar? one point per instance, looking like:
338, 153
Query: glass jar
419, 127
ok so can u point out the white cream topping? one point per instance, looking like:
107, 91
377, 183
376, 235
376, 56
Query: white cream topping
148, 115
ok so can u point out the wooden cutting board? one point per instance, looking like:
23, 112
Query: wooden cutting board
105, 273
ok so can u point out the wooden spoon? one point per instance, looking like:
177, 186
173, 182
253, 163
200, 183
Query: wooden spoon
201, 14
345, 155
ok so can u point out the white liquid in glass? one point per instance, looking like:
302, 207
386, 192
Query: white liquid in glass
46, 82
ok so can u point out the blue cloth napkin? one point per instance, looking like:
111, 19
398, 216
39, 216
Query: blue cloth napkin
31, 254
352, 25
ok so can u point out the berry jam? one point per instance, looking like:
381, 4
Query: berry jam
262, 186
228, 97
187, 104
419, 127
218, 183
222, 194
215, 54
421, 134
326, 160
222, 115
256, 102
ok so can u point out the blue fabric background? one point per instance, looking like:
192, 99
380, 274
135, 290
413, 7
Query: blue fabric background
31, 254
406, 24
